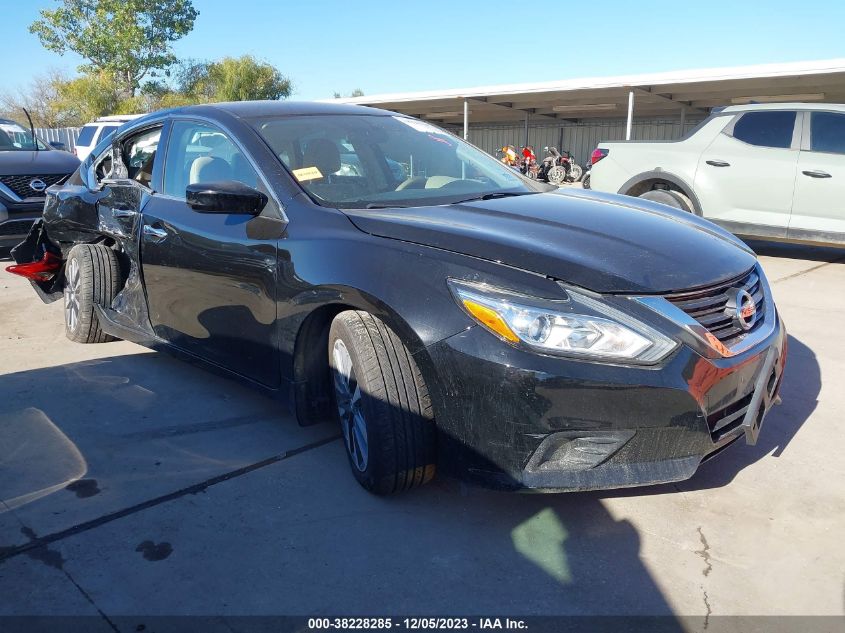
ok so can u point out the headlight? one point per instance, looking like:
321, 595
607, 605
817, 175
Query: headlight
579, 326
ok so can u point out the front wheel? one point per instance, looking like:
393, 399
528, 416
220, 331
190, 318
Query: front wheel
382, 403
575, 172
556, 175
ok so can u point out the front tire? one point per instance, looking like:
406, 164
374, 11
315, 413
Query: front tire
92, 275
383, 405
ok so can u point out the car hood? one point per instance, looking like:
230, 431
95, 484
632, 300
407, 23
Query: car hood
25, 163
603, 242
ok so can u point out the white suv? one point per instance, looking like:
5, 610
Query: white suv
774, 171
96, 131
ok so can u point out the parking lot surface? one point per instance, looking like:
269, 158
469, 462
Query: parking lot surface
134, 484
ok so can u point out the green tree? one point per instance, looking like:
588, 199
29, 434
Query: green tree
87, 97
240, 79
129, 39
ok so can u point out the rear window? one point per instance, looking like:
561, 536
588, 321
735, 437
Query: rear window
765, 129
827, 132
86, 135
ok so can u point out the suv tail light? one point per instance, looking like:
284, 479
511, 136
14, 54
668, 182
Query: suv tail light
598, 154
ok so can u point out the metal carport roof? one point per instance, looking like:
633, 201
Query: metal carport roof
659, 94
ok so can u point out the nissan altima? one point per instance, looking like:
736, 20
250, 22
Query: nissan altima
375, 271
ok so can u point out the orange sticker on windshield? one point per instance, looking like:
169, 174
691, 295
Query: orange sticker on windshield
307, 173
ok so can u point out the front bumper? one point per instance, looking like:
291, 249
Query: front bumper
16, 220
514, 419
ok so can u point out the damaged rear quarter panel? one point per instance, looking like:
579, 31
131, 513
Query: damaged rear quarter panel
73, 214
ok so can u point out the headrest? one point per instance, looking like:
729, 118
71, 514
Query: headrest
322, 154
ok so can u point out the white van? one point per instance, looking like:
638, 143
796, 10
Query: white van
96, 131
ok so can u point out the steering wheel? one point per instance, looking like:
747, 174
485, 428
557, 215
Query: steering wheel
408, 182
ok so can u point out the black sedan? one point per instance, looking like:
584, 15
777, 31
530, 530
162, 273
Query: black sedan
373, 269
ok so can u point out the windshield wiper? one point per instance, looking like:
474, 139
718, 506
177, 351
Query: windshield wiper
375, 205
493, 195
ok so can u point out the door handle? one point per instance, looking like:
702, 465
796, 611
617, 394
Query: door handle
718, 163
153, 233
123, 213
817, 173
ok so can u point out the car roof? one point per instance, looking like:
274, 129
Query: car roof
249, 109
835, 107
117, 118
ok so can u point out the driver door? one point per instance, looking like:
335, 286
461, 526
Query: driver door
211, 277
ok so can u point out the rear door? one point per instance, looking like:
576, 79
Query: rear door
211, 278
818, 209
746, 176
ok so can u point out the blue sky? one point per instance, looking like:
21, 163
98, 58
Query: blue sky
381, 46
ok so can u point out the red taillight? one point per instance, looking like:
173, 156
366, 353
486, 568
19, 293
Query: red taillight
42, 270
598, 154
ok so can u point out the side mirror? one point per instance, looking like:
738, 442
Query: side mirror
225, 196
58, 145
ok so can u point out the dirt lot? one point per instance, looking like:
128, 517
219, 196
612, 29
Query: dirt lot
135, 484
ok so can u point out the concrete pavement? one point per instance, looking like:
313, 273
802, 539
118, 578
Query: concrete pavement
147, 486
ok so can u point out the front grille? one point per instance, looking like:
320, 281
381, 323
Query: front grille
20, 184
711, 307
16, 227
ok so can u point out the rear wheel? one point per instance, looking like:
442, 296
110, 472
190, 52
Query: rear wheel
669, 197
92, 275
383, 405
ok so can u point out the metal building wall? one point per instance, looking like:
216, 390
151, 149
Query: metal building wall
579, 138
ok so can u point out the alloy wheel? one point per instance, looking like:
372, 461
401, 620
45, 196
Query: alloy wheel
348, 397
72, 281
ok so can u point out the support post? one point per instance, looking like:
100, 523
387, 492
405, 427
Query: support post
527, 115
683, 120
630, 115
466, 120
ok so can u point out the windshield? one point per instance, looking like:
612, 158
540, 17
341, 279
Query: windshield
14, 137
360, 161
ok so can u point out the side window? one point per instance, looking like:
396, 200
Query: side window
139, 154
827, 132
765, 129
198, 153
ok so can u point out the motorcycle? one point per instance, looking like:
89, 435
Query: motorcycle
553, 169
559, 168
528, 165
508, 156
575, 171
